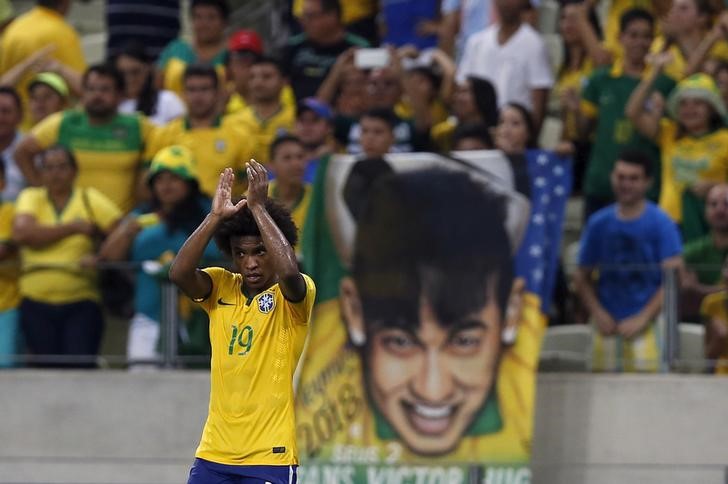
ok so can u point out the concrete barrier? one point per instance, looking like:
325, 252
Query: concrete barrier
111, 427
645, 429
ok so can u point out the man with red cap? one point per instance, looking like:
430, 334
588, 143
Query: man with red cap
244, 48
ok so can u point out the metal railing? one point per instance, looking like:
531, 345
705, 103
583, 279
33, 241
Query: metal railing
566, 348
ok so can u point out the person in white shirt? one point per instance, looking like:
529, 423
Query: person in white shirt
141, 96
513, 57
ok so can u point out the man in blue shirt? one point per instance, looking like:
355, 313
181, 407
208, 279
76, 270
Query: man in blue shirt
628, 244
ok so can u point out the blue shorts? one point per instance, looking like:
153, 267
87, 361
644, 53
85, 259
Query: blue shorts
206, 472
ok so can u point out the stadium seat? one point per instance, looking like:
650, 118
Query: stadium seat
691, 357
565, 348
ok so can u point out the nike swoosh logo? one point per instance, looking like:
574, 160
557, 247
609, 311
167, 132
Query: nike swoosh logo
220, 302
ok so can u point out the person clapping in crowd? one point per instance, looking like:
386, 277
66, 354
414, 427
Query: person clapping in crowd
155, 232
693, 142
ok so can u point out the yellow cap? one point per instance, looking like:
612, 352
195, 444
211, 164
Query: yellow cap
177, 159
52, 80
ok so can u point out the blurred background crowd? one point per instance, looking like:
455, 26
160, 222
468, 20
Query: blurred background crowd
112, 144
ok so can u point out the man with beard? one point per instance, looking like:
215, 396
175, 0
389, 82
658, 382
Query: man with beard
704, 257
266, 117
107, 145
216, 142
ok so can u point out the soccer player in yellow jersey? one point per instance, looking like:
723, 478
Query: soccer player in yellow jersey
259, 318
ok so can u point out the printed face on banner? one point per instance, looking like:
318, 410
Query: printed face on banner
406, 364
429, 380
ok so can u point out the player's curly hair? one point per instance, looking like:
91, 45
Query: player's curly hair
243, 224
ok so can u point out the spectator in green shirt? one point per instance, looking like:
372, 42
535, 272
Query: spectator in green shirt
601, 110
704, 256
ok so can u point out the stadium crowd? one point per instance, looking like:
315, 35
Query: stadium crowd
106, 169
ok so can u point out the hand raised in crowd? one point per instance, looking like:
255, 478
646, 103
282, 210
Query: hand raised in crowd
659, 60
222, 205
720, 27
657, 103
257, 184
38, 61
570, 100
344, 62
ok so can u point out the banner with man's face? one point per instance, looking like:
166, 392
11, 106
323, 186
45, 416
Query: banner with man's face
421, 359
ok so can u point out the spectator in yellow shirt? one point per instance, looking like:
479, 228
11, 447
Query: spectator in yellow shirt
209, 19
55, 226
216, 142
688, 37
244, 48
266, 116
43, 27
109, 146
693, 143
9, 295
288, 165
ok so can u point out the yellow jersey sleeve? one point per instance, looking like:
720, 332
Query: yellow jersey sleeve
217, 275
46, 132
7, 212
148, 130
105, 211
156, 140
302, 310
27, 201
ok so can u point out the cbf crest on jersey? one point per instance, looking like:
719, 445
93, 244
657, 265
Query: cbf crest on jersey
266, 303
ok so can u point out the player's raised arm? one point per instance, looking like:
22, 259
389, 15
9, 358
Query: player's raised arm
285, 265
183, 272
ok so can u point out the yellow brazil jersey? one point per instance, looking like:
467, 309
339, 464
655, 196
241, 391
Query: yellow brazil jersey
716, 306
438, 111
237, 103
264, 131
52, 273
572, 79
256, 344
109, 156
675, 69
33, 31
299, 212
9, 294
687, 160
175, 58
224, 144
332, 384
351, 10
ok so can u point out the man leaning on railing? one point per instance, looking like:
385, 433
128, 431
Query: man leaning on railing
623, 250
